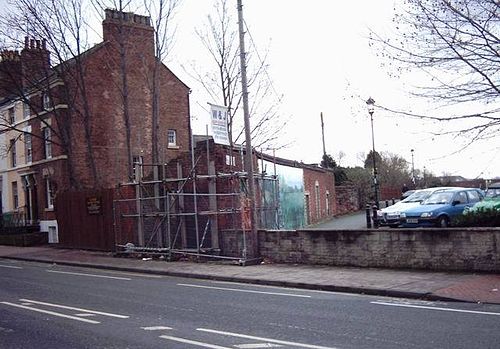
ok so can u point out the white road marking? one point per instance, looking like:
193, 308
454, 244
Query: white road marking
264, 339
247, 291
10, 266
257, 346
291, 288
92, 275
156, 328
437, 308
188, 341
136, 274
85, 315
77, 309
51, 313
26, 303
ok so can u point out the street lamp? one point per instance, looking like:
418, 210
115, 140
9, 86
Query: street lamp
412, 169
371, 107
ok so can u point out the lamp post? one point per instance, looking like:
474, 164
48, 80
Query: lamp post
371, 107
412, 169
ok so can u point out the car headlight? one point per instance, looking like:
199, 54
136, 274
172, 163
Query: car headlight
380, 213
426, 215
402, 215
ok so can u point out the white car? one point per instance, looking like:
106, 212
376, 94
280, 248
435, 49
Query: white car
390, 216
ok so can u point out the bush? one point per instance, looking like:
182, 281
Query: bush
480, 218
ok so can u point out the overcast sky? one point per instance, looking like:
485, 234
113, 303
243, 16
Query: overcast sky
319, 59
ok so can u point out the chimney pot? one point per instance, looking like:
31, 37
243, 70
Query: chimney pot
44, 44
26, 42
32, 43
38, 44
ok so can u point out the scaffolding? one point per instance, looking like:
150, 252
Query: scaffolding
170, 214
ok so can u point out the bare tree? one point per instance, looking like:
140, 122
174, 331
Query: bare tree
61, 23
219, 36
456, 44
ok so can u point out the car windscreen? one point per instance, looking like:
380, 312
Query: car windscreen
439, 198
417, 196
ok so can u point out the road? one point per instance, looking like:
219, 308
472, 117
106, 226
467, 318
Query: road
50, 306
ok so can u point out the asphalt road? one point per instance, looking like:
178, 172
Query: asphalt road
50, 306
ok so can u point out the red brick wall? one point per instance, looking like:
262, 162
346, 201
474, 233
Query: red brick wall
103, 79
325, 182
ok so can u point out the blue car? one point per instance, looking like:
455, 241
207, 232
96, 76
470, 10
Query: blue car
440, 207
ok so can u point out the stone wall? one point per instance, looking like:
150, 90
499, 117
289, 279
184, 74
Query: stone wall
454, 249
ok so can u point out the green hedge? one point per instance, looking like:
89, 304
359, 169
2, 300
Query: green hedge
480, 218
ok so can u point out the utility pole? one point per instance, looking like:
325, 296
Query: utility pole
323, 134
252, 246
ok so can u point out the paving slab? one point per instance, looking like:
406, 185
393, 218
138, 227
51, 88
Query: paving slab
387, 282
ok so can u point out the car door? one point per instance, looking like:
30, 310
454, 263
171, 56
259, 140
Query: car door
461, 201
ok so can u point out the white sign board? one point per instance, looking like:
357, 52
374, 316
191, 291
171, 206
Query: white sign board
219, 124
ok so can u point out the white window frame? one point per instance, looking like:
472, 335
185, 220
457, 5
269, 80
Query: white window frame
47, 143
49, 195
28, 147
47, 101
13, 153
171, 134
230, 160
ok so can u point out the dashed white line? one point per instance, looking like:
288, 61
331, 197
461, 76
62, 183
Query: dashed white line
156, 328
257, 346
10, 266
77, 309
188, 341
238, 335
247, 291
51, 313
91, 275
436, 308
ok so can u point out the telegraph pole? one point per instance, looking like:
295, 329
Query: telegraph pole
252, 246
323, 134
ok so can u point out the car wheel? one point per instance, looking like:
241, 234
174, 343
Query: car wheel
443, 222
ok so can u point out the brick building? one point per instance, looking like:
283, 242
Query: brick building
66, 127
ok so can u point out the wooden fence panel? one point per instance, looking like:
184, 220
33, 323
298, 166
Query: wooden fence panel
85, 219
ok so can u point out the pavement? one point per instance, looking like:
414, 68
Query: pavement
446, 286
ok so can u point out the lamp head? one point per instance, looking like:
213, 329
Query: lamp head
371, 105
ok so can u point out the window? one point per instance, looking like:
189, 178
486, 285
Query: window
12, 115
230, 160
26, 110
137, 161
172, 138
13, 155
474, 196
47, 142
15, 197
46, 101
28, 151
461, 197
49, 194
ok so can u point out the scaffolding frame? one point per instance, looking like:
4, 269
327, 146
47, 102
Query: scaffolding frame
166, 201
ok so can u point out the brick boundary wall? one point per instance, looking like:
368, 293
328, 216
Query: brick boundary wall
452, 249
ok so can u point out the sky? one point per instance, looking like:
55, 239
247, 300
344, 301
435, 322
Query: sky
320, 61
